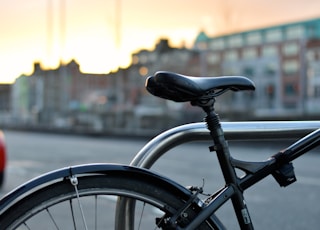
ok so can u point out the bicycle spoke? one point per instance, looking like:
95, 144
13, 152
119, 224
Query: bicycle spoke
72, 214
96, 211
144, 205
26, 226
52, 219
74, 182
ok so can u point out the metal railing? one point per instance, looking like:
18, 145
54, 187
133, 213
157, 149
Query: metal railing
261, 130
158, 146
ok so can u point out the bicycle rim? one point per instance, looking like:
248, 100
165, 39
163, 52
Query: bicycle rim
91, 204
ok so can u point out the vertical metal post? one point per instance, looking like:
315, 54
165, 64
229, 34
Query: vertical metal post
229, 173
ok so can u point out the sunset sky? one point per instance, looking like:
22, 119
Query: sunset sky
102, 34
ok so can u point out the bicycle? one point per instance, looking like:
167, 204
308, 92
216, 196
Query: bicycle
70, 198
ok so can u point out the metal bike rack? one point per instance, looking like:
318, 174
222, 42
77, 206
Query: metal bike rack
261, 130
158, 146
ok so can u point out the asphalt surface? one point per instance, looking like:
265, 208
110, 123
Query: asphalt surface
271, 207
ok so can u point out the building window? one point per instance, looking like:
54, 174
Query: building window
270, 69
313, 75
316, 71
213, 58
316, 92
274, 35
248, 71
290, 49
294, 32
231, 55
135, 59
270, 91
254, 38
235, 41
311, 31
290, 67
165, 58
249, 53
269, 51
231, 71
143, 59
217, 44
152, 57
290, 89
311, 55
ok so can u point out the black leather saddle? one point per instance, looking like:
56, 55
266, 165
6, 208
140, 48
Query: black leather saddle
181, 88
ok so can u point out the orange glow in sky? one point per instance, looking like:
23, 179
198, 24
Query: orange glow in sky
102, 34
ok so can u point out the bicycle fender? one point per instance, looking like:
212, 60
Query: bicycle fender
89, 169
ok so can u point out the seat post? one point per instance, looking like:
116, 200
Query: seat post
220, 144
221, 148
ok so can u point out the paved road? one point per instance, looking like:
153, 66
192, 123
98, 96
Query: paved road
271, 207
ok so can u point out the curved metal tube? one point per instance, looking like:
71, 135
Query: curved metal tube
154, 149
158, 146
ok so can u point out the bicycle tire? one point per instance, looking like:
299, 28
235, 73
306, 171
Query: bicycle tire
58, 201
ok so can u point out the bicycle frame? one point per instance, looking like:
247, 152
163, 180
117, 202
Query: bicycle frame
256, 171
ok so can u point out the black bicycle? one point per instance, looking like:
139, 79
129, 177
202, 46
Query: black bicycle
108, 196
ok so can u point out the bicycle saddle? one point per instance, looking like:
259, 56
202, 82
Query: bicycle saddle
182, 88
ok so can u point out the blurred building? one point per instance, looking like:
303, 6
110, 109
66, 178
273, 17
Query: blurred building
5, 99
51, 98
282, 60
152, 113
67, 99
312, 82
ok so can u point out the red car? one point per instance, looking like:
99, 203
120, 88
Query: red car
2, 158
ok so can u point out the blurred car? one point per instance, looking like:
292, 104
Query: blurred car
3, 158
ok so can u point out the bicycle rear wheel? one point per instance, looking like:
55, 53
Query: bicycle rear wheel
90, 201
